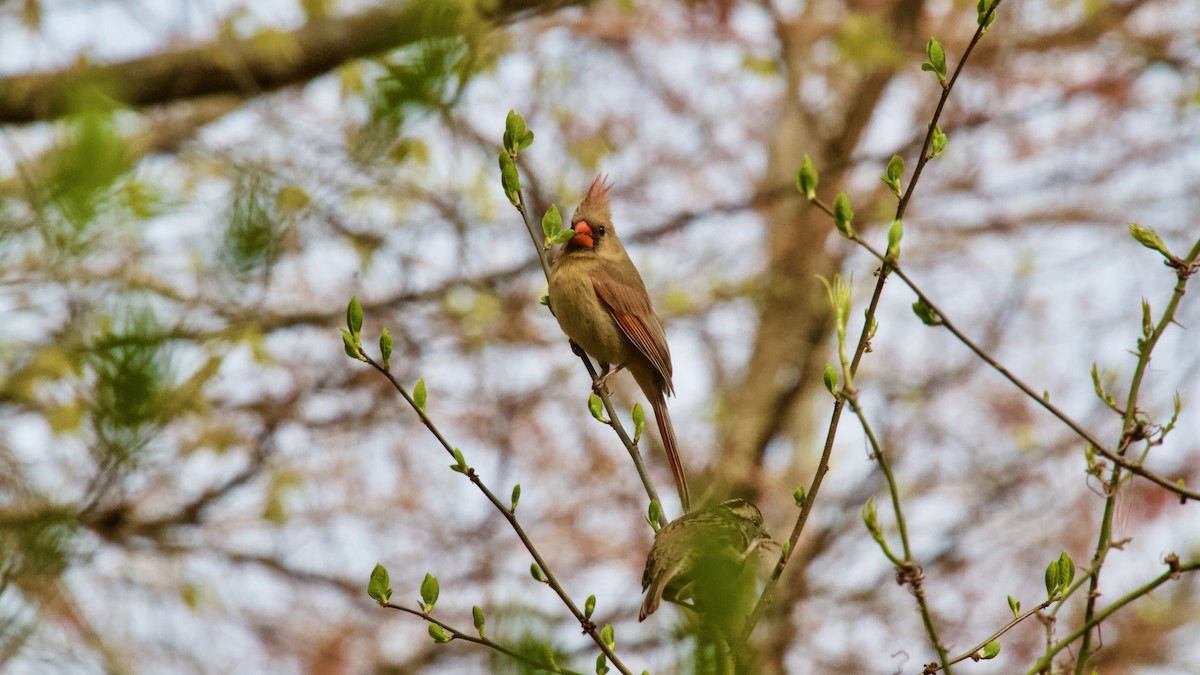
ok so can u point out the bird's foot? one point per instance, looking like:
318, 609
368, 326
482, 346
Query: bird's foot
600, 384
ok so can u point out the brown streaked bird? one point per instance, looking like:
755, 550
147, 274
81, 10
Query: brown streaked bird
695, 556
601, 304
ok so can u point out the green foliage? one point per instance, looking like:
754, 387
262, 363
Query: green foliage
990, 651
439, 634
806, 178
429, 593
255, 230
535, 571
379, 586
385, 348
419, 395
937, 60
589, 606
894, 235
639, 421
460, 462
87, 165
516, 136
926, 314
839, 299
1146, 236
426, 76
131, 393
937, 142
510, 180
895, 169
654, 514
354, 316
1059, 575
477, 619
830, 378
552, 222
843, 215
596, 408
986, 10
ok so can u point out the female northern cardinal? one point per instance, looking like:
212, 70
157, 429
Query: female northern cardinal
601, 304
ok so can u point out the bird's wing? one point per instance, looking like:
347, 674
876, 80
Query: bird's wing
629, 306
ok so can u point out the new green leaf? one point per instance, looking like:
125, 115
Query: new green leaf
937, 60
639, 421
806, 178
552, 222
990, 651
926, 313
843, 215
1146, 236
438, 634
351, 346
429, 592
420, 395
385, 348
378, 587
937, 142
830, 377
477, 616
354, 316
895, 234
608, 636
596, 407
895, 170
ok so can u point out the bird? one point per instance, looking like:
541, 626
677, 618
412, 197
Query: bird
695, 556
601, 304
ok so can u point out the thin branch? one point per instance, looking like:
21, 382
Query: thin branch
823, 465
908, 570
933, 668
589, 627
456, 634
1092, 440
1132, 429
1173, 571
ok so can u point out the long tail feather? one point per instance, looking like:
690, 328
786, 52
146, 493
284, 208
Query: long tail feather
663, 418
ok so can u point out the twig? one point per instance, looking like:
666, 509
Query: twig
1066, 419
589, 627
994, 636
1132, 429
823, 465
908, 571
1173, 572
456, 634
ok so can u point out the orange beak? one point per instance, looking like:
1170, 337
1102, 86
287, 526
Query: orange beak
583, 235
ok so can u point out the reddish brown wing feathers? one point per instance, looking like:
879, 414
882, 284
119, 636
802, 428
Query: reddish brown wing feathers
630, 308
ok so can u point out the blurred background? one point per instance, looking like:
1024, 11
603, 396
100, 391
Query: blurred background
196, 479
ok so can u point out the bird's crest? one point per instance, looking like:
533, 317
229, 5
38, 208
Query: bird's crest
595, 203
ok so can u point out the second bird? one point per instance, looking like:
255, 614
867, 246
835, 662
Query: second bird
601, 303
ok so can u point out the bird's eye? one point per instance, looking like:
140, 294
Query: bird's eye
600, 230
